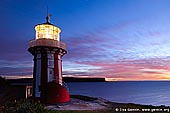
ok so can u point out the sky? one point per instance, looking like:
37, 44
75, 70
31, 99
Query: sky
117, 39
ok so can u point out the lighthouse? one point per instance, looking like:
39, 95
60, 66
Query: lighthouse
48, 50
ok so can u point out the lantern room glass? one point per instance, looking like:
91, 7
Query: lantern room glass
45, 31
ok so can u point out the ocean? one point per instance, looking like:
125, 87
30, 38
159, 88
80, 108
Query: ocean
139, 92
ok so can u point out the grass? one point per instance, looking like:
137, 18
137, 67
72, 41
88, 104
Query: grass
29, 106
23, 106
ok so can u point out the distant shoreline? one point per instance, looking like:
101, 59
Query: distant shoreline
86, 79
65, 79
75, 79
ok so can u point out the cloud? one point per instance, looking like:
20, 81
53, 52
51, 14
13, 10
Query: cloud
145, 69
10, 67
15, 60
15, 71
120, 50
129, 39
124, 50
97, 44
86, 46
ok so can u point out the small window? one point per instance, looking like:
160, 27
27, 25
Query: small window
51, 72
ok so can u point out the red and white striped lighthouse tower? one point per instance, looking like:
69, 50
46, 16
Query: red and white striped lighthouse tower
48, 50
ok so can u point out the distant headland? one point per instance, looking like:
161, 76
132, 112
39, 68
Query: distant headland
65, 79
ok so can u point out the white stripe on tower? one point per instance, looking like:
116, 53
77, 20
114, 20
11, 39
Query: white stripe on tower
50, 67
38, 75
59, 70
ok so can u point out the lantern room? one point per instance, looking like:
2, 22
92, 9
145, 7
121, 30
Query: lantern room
47, 35
47, 31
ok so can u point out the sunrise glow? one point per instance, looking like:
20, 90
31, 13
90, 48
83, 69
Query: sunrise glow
112, 39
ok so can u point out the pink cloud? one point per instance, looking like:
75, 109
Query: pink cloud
118, 56
145, 69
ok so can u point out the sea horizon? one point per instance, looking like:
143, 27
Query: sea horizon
31, 77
